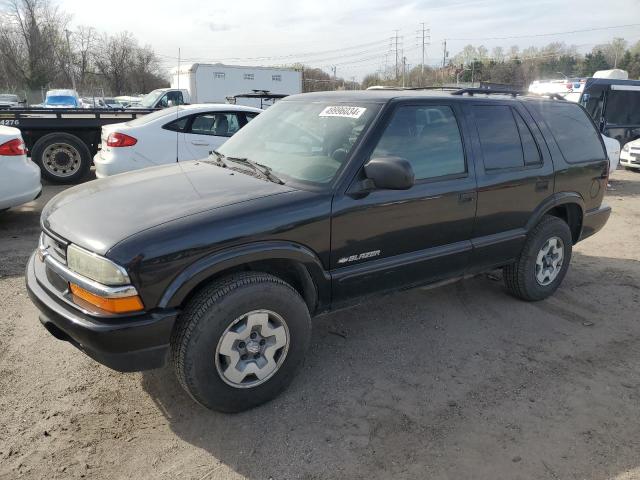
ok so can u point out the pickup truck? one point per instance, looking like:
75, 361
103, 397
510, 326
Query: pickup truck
217, 266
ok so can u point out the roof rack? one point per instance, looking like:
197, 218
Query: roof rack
489, 91
390, 87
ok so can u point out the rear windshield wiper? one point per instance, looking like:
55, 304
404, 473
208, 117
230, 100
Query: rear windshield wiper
263, 170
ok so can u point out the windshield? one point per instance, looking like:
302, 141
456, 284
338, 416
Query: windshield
8, 98
150, 99
61, 100
307, 142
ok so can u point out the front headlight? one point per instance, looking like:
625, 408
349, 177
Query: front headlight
626, 147
95, 267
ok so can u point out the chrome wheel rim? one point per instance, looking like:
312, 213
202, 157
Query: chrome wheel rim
549, 261
252, 349
61, 159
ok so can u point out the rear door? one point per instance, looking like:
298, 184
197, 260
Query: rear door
208, 131
515, 175
387, 239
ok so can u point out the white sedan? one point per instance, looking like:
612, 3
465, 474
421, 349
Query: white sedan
19, 177
188, 132
630, 156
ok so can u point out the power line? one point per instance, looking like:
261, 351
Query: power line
295, 55
548, 34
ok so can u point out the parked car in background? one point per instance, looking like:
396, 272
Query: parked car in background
8, 100
323, 200
62, 99
163, 98
128, 101
174, 134
630, 155
100, 102
111, 102
563, 87
19, 176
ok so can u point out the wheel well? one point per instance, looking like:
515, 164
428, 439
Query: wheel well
571, 213
292, 272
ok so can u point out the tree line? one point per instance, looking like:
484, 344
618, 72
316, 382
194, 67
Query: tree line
40, 50
517, 67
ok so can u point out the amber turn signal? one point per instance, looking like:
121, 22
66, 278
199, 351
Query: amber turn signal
112, 305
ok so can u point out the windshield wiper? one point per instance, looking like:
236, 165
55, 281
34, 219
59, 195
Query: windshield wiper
263, 170
219, 160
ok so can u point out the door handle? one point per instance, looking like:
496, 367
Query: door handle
201, 144
466, 197
542, 185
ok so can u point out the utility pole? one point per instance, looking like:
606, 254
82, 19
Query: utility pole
334, 69
69, 62
404, 69
425, 33
445, 54
396, 51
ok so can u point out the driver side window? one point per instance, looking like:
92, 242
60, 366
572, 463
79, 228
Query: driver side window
428, 137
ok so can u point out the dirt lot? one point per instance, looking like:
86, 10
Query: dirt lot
459, 382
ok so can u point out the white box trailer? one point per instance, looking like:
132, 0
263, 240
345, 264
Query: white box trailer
216, 83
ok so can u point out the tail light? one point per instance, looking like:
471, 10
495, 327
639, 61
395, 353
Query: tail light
13, 147
120, 140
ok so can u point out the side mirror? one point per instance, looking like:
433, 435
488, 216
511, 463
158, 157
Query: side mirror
171, 103
390, 173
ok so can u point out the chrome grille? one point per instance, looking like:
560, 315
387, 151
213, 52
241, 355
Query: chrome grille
56, 248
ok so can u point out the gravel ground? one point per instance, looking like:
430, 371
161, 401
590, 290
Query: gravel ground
458, 382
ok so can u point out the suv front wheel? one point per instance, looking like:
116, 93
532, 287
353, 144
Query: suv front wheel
240, 340
543, 262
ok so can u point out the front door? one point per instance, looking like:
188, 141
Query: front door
386, 239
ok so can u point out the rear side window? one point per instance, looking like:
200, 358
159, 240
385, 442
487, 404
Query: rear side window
499, 137
177, 125
529, 146
573, 131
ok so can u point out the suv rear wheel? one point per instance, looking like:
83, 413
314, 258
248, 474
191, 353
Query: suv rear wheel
543, 262
240, 340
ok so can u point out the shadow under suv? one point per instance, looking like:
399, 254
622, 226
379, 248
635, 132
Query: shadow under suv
218, 265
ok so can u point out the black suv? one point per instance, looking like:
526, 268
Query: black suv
218, 265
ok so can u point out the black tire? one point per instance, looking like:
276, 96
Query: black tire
520, 277
206, 318
78, 164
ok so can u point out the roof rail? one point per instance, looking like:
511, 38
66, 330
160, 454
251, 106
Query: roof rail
378, 87
489, 91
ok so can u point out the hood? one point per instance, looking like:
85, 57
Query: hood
99, 214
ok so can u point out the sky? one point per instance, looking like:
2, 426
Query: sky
353, 36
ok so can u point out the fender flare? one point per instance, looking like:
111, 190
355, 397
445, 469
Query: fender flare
197, 273
555, 200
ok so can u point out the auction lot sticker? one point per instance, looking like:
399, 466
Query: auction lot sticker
343, 111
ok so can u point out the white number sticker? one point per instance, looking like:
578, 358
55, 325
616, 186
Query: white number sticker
343, 111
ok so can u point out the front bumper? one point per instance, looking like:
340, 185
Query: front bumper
594, 220
126, 344
630, 161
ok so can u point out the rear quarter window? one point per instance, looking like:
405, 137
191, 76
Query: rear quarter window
571, 127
